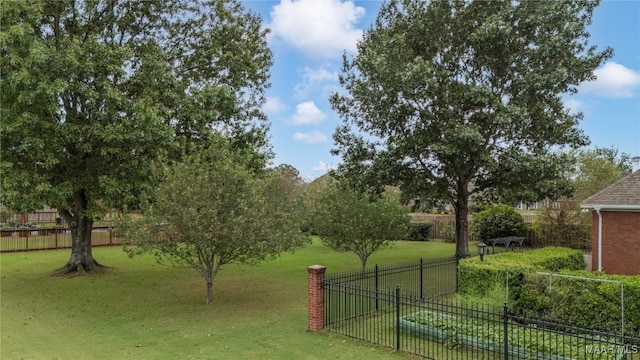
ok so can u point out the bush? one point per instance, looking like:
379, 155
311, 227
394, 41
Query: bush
477, 277
580, 302
420, 231
448, 231
497, 221
569, 300
4, 216
565, 226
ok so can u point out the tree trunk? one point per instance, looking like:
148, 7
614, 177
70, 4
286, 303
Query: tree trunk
462, 223
462, 230
81, 259
209, 291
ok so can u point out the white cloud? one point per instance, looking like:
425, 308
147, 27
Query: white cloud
273, 105
307, 113
318, 28
324, 167
314, 137
312, 82
573, 105
613, 80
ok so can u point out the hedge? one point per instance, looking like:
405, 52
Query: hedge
477, 277
580, 302
566, 299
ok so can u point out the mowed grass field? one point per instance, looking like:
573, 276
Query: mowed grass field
138, 309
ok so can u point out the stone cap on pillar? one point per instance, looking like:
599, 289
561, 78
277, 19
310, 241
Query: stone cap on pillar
316, 269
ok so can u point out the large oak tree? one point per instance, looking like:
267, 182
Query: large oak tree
93, 92
463, 98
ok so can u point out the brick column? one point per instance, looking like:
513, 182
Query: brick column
316, 297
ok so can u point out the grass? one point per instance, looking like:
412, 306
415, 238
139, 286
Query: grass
141, 310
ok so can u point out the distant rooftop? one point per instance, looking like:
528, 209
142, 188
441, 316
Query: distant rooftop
624, 194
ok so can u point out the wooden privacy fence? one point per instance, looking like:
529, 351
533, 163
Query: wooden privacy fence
439, 222
51, 239
528, 218
49, 217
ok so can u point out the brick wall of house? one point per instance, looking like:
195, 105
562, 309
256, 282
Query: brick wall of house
620, 242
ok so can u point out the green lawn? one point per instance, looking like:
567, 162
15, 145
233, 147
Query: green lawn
141, 310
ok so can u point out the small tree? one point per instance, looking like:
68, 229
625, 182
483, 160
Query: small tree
346, 220
448, 231
563, 224
497, 221
210, 210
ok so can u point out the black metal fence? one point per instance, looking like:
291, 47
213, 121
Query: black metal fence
422, 278
422, 320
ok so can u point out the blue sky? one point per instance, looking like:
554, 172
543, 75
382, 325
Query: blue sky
308, 38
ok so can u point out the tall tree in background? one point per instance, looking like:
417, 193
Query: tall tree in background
463, 99
292, 180
94, 92
564, 223
598, 168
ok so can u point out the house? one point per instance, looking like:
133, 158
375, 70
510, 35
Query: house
615, 229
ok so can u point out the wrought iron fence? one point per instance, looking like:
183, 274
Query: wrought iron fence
422, 278
422, 320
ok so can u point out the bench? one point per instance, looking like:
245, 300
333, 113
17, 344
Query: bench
507, 241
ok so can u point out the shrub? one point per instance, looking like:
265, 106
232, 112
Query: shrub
497, 221
477, 277
580, 302
570, 300
448, 231
4, 216
420, 231
564, 226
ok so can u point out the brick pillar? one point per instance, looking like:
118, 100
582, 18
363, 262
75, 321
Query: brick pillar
316, 297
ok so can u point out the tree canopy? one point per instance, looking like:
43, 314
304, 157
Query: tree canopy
457, 100
211, 210
563, 223
598, 168
95, 92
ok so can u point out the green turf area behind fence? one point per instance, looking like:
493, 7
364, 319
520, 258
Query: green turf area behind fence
141, 310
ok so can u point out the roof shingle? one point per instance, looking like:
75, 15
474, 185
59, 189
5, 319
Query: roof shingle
624, 192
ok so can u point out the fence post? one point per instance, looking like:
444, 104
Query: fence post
457, 269
421, 281
377, 289
505, 322
397, 317
316, 297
